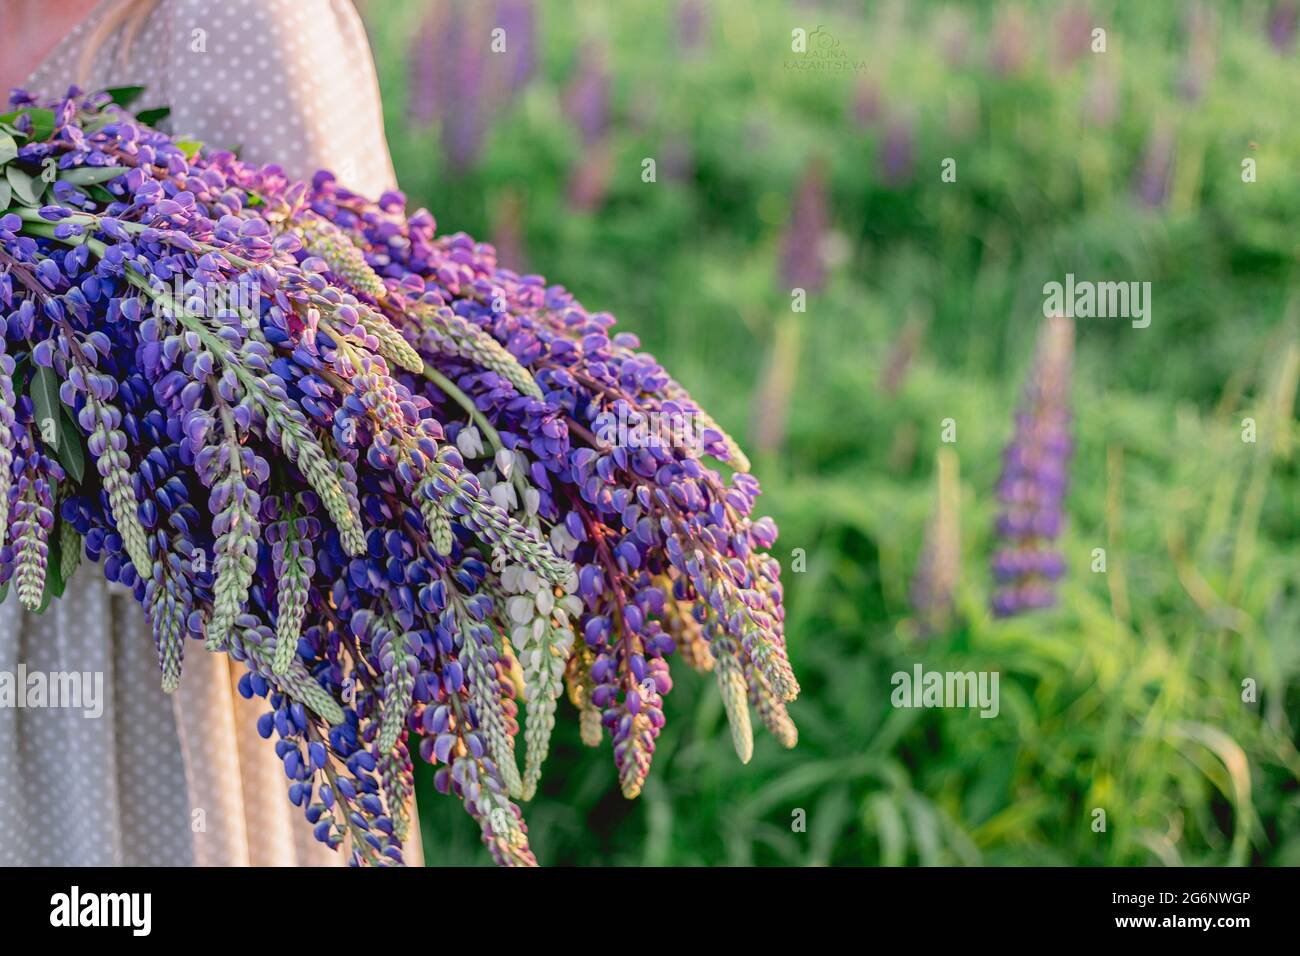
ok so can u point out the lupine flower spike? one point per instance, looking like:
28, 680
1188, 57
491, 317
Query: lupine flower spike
1035, 475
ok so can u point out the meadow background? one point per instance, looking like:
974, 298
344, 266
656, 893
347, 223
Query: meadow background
924, 298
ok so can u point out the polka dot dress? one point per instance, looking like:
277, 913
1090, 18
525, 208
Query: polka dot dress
183, 779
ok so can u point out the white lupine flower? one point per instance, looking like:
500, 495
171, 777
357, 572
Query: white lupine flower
505, 462
545, 600
532, 500
469, 442
562, 542
520, 609
501, 495
510, 578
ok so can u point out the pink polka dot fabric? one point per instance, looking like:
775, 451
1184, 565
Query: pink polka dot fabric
185, 779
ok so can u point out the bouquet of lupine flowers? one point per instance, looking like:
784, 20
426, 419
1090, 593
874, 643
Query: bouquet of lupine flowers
401, 484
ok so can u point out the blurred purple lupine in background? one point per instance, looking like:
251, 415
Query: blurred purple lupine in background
508, 232
803, 266
896, 156
938, 569
1101, 99
692, 21
803, 263
586, 102
590, 179
1073, 34
456, 78
678, 162
1282, 25
866, 103
1009, 45
429, 54
516, 18
1035, 475
1202, 29
1157, 168
464, 122
952, 31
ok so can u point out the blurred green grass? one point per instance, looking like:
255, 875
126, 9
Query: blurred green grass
1128, 696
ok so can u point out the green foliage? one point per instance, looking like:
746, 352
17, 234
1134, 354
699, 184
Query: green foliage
1129, 696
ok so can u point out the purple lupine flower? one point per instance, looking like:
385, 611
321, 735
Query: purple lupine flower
1199, 64
465, 114
896, 157
692, 21
458, 80
1282, 25
587, 100
1009, 43
518, 19
803, 263
508, 232
1157, 168
1035, 475
678, 159
430, 49
952, 31
590, 180
867, 104
1073, 34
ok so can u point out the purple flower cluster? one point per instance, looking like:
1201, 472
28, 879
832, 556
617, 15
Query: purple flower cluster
367, 462
1035, 476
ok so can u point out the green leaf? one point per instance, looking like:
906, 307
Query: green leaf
124, 96
46, 405
6, 194
42, 122
24, 186
154, 116
8, 147
69, 451
101, 195
91, 175
21, 370
54, 583
190, 147
4, 592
